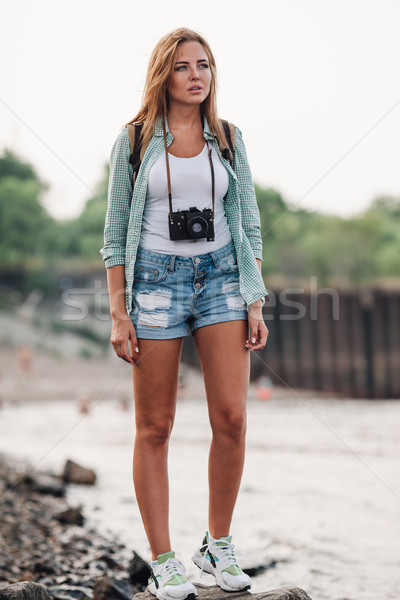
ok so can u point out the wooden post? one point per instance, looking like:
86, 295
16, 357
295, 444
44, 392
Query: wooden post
393, 341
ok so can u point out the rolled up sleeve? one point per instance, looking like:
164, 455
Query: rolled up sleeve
118, 202
248, 201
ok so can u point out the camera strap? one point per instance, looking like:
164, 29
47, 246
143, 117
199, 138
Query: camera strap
169, 177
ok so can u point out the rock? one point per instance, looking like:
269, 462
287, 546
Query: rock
106, 588
258, 569
138, 569
48, 484
71, 592
43, 483
74, 473
215, 593
24, 590
70, 516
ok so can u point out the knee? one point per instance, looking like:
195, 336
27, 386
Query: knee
155, 433
230, 426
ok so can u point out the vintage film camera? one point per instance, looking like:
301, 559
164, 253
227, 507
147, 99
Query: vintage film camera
191, 224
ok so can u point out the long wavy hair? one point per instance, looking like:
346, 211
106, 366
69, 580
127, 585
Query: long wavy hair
155, 95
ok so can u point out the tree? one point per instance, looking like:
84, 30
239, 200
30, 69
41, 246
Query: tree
24, 222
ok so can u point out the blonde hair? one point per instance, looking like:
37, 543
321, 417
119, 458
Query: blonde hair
155, 95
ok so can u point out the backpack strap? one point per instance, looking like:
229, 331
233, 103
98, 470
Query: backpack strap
228, 152
137, 149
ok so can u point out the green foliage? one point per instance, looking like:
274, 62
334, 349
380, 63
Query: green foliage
12, 166
24, 222
300, 243
83, 237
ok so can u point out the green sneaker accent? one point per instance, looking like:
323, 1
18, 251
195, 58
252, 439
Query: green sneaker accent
234, 570
228, 538
175, 579
162, 558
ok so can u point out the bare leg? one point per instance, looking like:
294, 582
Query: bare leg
155, 384
226, 367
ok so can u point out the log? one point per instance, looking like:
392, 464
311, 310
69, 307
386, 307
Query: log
215, 593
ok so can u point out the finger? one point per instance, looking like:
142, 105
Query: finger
134, 348
257, 340
126, 354
122, 352
263, 340
254, 331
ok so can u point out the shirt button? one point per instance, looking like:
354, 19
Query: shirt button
197, 285
197, 260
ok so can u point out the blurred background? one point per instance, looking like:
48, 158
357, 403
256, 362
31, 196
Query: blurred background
314, 88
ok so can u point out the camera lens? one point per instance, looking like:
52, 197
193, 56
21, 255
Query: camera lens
197, 227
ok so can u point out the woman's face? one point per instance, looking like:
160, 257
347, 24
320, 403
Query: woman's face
191, 75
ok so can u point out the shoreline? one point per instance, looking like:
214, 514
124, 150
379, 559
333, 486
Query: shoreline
45, 540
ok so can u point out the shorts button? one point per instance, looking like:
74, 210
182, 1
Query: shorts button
197, 285
197, 260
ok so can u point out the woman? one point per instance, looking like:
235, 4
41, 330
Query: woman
171, 273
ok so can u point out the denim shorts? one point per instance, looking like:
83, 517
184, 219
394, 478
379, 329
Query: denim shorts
174, 295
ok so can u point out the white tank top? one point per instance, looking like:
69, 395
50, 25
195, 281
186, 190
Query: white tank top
190, 186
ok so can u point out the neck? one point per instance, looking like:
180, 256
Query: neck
184, 117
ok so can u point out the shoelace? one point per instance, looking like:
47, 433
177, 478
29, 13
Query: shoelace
173, 566
227, 549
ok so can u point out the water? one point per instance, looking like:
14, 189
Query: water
320, 492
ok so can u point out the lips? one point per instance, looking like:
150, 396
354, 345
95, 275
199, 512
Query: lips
195, 88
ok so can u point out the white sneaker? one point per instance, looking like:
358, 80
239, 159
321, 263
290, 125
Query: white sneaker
168, 580
218, 558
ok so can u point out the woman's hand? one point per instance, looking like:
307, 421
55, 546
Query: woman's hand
122, 333
258, 329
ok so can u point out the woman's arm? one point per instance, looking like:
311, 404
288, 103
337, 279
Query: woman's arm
118, 202
258, 329
123, 331
251, 225
113, 252
250, 214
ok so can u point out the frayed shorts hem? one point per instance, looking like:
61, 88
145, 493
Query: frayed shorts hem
160, 334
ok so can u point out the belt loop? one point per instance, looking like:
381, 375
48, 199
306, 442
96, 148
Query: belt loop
171, 264
214, 259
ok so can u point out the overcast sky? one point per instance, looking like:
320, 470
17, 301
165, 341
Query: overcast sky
314, 86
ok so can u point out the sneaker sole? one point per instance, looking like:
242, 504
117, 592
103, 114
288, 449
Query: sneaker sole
155, 592
162, 596
208, 568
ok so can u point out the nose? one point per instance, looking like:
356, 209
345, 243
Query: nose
195, 73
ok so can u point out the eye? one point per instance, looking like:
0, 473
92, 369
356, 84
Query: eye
203, 65
180, 68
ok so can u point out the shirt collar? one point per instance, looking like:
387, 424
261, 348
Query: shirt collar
158, 130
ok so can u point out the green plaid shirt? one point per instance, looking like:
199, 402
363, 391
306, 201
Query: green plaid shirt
125, 210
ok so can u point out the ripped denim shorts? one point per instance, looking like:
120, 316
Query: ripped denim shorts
174, 295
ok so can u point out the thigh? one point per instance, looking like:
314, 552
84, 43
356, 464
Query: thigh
155, 379
226, 365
